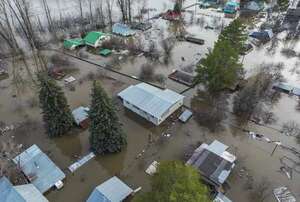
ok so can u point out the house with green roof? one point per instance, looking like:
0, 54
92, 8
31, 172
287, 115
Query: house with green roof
95, 39
72, 44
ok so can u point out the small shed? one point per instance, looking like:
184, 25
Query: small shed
122, 29
81, 116
264, 35
185, 116
194, 40
21, 193
182, 77
95, 39
69, 80
253, 6
171, 15
72, 44
112, 190
231, 7
39, 169
143, 26
105, 52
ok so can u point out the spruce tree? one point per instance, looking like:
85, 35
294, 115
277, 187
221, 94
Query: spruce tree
56, 112
220, 69
106, 135
236, 34
283, 5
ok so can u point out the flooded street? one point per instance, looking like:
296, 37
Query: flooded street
255, 160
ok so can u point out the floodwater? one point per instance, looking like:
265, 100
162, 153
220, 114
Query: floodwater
255, 161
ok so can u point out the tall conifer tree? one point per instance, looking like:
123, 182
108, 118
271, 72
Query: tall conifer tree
56, 112
106, 135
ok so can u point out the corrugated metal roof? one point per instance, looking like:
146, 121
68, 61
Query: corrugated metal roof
8, 193
38, 168
150, 99
185, 115
112, 190
122, 29
30, 193
217, 147
80, 114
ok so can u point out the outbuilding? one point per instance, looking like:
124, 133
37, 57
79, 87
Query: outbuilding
112, 190
72, 44
39, 169
122, 29
213, 162
20, 193
95, 39
150, 102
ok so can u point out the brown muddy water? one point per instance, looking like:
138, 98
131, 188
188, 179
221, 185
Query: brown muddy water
254, 164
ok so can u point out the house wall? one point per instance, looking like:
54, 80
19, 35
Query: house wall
154, 120
141, 113
170, 111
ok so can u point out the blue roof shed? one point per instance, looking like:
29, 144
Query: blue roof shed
39, 169
8, 193
21, 193
112, 190
185, 115
122, 29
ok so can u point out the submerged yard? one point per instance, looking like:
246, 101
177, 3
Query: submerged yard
259, 164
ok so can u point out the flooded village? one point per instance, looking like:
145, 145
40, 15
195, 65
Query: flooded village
160, 100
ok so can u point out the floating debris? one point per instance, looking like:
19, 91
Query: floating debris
282, 194
81, 162
151, 170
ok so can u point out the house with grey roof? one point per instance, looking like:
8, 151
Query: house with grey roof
39, 169
213, 162
20, 193
151, 103
112, 190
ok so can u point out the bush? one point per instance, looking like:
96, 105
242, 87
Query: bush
59, 60
147, 72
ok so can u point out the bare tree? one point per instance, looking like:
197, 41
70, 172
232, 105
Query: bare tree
90, 2
48, 15
6, 28
254, 98
8, 150
109, 7
261, 191
212, 111
100, 14
80, 6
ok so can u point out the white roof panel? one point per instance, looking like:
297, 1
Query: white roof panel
150, 99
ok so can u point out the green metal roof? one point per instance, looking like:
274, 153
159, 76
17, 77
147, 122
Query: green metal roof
73, 43
105, 52
92, 37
